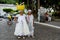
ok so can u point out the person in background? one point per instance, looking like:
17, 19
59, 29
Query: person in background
48, 18
30, 21
42, 12
9, 19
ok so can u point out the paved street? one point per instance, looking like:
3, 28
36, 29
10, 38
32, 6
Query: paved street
41, 32
54, 23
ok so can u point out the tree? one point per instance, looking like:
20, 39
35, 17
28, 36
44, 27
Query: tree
8, 2
2, 1
38, 4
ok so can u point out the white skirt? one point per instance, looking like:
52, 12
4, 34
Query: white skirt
31, 28
21, 29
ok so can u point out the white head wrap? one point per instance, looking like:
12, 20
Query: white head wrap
29, 10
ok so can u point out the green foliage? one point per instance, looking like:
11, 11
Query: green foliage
58, 3
7, 10
8, 1
56, 14
2, 1
15, 10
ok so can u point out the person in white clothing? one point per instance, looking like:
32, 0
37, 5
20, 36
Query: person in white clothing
30, 22
21, 28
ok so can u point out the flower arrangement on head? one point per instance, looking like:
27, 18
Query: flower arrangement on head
20, 6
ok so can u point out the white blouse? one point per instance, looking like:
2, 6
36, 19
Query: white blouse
30, 18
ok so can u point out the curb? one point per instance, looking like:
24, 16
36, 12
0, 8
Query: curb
45, 24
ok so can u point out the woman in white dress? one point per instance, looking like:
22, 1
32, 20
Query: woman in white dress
30, 22
21, 28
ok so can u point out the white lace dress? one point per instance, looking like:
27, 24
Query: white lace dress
21, 27
30, 24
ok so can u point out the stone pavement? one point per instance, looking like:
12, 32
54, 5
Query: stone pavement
41, 32
54, 23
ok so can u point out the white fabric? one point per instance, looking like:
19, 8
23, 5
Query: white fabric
30, 24
43, 10
30, 19
21, 27
49, 18
29, 10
